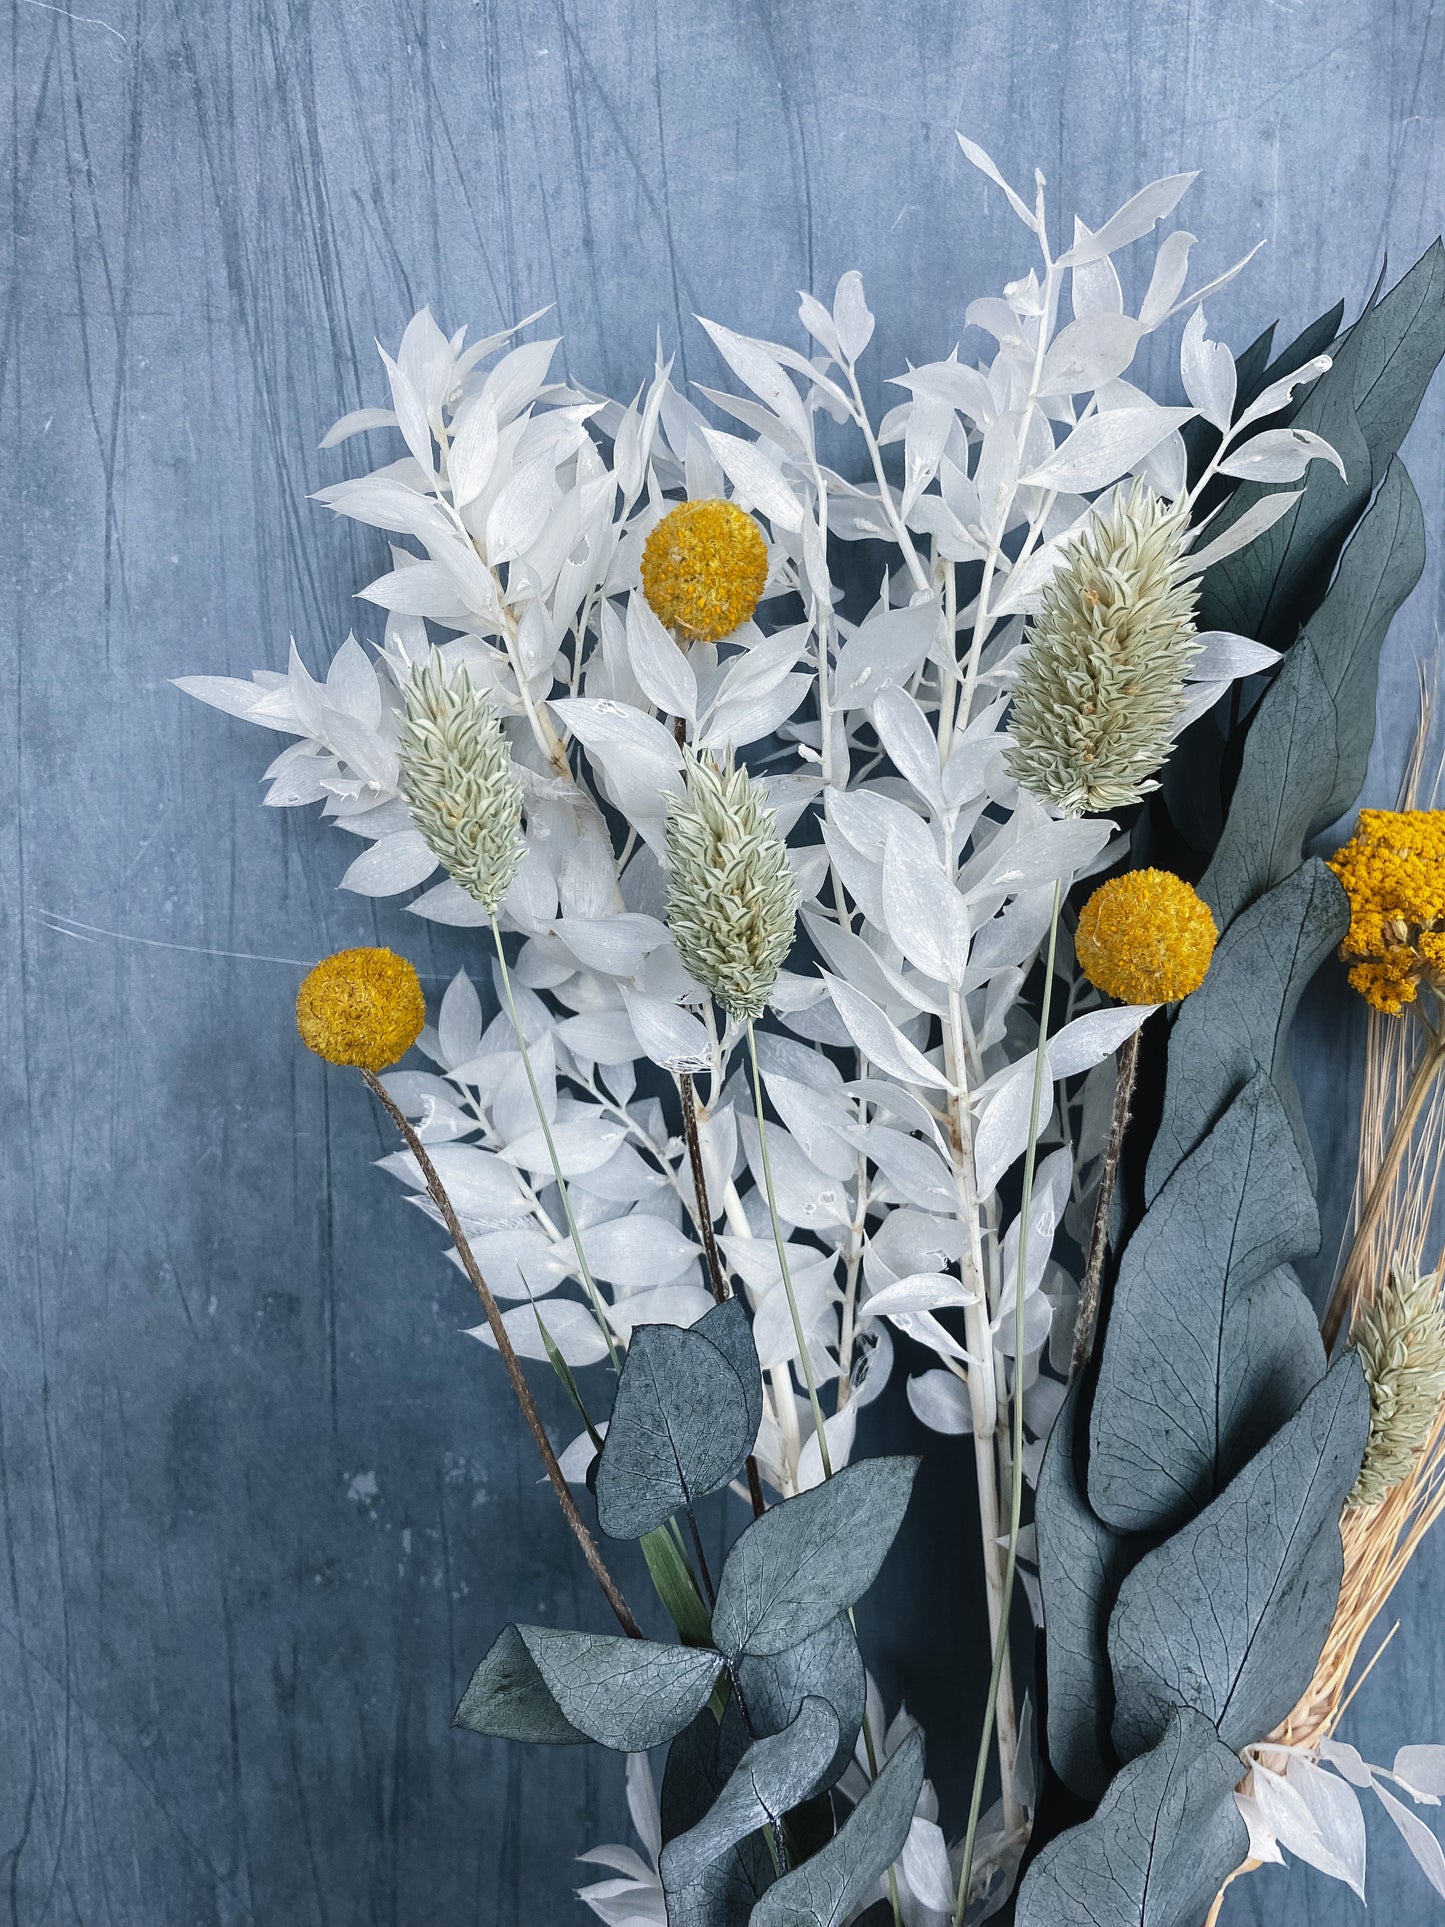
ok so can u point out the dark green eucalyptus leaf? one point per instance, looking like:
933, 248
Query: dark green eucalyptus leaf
1209, 1343
827, 1666
776, 1772
1166, 1837
824, 1890
729, 1328
1397, 343
1309, 743
1230, 1615
1081, 1566
699, 1763
682, 1424
508, 1699
624, 1693
807, 1558
727, 1890
1363, 406
1237, 1023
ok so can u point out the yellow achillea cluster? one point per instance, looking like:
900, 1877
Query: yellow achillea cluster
1145, 938
1393, 870
704, 569
361, 1007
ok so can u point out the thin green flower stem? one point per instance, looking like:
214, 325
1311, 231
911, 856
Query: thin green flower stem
598, 1308
806, 1362
438, 1194
1016, 1487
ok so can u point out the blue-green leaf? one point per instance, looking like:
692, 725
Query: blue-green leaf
508, 1699
776, 1772
1237, 1023
807, 1558
1166, 1837
1210, 1344
1230, 1615
1309, 743
1081, 1565
827, 1666
824, 1890
684, 1420
624, 1693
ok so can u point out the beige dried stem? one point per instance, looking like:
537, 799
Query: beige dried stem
1380, 1540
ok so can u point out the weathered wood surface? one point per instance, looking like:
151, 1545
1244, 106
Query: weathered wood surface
261, 1506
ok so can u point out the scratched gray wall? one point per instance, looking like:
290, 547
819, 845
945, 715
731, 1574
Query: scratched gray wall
261, 1506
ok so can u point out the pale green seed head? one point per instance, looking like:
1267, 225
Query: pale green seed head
456, 775
1400, 1337
1095, 703
731, 901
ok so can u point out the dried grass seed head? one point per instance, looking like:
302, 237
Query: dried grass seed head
1400, 1336
1100, 690
732, 904
457, 777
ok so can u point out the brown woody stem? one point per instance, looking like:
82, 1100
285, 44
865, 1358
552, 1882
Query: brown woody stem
437, 1193
1087, 1323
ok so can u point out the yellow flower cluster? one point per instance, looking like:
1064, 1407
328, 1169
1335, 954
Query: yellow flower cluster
704, 569
361, 1007
1393, 870
1145, 938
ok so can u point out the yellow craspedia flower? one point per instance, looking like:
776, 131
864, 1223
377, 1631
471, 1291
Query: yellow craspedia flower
704, 569
362, 1007
1393, 870
1145, 938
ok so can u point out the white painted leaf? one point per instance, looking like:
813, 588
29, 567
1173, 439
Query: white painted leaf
1003, 1124
638, 1252
879, 1038
520, 512
1418, 1838
757, 480
923, 1291
1262, 1844
851, 316
1258, 517
1335, 1809
663, 672
668, 1034
1422, 1768
571, 1327
925, 1865
1279, 455
1105, 447
1220, 654
1270, 400
985, 165
582, 1144
357, 423
473, 450
1171, 265
1089, 352
940, 1401
392, 863
925, 914
1079, 1045
1133, 220
906, 734
1208, 372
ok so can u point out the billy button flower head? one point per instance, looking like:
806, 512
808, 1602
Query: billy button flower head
456, 775
1146, 938
1393, 870
361, 1007
704, 569
1101, 686
731, 900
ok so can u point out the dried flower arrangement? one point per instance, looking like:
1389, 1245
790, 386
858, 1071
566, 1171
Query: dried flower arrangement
909, 951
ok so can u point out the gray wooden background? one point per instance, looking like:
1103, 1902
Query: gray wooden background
261, 1506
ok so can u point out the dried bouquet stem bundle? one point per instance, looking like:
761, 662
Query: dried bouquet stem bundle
782, 1065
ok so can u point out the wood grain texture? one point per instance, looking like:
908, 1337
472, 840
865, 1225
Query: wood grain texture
261, 1506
